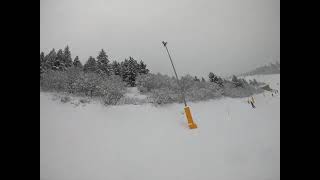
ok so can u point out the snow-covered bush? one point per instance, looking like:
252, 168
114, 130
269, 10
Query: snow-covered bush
148, 82
203, 91
112, 90
165, 89
54, 81
243, 90
165, 96
84, 101
131, 100
109, 88
65, 99
254, 82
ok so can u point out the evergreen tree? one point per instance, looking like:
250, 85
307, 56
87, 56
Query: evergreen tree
143, 68
211, 77
129, 71
236, 81
41, 58
220, 81
90, 65
216, 79
203, 80
116, 68
50, 59
42, 63
123, 67
234, 78
59, 62
77, 63
196, 79
67, 60
103, 63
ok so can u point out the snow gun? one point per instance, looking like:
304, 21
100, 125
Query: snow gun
187, 111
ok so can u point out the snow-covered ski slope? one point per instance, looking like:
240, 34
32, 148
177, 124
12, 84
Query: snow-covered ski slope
144, 142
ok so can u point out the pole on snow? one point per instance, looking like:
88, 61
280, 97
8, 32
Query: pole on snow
191, 124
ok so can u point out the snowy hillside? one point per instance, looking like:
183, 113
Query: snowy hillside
147, 142
273, 80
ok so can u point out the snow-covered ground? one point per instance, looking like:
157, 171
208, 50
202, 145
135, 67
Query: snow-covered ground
145, 142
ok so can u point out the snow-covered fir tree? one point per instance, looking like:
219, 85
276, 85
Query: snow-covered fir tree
42, 63
129, 71
67, 60
143, 68
90, 65
59, 62
116, 68
50, 59
77, 63
216, 79
237, 82
103, 63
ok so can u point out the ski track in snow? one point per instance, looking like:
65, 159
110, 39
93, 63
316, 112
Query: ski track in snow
143, 142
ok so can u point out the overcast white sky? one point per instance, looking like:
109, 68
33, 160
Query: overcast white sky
221, 36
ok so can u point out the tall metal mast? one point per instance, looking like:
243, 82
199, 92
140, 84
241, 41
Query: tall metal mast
175, 72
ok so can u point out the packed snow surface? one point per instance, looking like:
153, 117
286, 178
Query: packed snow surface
233, 141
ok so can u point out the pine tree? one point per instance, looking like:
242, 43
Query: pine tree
123, 69
234, 78
236, 81
42, 63
77, 63
129, 71
196, 79
67, 60
220, 81
211, 76
143, 68
50, 59
203, 80
215, 79
116, 68
59, 62
103, 63
90, 65
41, 58
133, 71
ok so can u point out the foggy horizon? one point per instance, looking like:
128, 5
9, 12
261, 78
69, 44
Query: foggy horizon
225, 37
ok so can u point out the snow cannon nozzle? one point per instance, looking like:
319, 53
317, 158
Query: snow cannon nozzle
164, 43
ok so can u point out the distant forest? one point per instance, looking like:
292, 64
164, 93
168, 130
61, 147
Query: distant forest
272, 68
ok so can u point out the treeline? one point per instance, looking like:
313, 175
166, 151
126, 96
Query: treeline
100, 78
97, 77
61, 60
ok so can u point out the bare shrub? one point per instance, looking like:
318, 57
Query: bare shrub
65, 99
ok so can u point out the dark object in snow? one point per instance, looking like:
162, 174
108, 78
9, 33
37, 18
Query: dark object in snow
252, 104
251, 101
84, 100
266, 87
